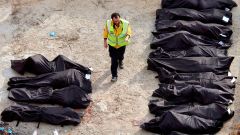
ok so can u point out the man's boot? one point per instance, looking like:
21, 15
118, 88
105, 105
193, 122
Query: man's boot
121, 64
114, 79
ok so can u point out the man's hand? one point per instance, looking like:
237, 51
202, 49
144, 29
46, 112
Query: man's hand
105, 43
127, 38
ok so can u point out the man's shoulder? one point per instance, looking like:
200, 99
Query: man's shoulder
124, 21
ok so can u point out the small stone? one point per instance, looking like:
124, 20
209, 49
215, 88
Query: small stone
102, 106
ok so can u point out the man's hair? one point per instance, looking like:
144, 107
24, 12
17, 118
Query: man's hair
115, 15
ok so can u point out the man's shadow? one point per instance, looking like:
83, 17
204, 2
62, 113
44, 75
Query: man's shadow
99, 84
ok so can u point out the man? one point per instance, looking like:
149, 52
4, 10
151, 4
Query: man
116, 36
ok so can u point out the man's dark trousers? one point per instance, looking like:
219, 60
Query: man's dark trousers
117, 55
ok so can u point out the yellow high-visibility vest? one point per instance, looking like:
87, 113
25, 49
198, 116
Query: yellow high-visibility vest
114, 40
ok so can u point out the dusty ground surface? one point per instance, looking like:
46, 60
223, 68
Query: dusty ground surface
117, 108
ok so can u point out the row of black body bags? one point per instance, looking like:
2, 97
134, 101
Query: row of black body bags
59, 82
190, 56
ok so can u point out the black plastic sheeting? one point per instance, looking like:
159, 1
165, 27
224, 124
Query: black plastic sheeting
192, 63
214, 111
207, 79
166, 76
52, 115
72, 96
195, 51
224, 85
198, 64
172, 121
181, 40
55, 79
186, 116
205, 16
199, 4
193, 93
38, 64
58, 82
214, 31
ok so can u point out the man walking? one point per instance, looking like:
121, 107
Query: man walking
116, 35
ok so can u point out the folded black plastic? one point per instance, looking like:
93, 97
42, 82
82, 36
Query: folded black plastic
199, 4
171, 121
166, 76
182, 40
214, 31
51, 115
72, 96
191, 64
212, 111
55, 79
205, 16
38, 64
193, 93
207, 79
195, 51
226, 85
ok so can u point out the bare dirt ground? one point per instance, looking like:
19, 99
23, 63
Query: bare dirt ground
117, 108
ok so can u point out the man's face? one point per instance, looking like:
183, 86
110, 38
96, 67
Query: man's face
116, 20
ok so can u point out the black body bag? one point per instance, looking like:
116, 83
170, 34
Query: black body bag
55, 80
193, 93
212, 111
51, 115
205, 16
191, 64
214, 31
199, 4
166, 76
195, 51
38, 64
72, 96
171, 121
182, 40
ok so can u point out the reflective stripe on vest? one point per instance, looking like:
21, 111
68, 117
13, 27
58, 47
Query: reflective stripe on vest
114, 40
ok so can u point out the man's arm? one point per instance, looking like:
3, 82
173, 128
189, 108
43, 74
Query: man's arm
105, 36
129, 33
105, 43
